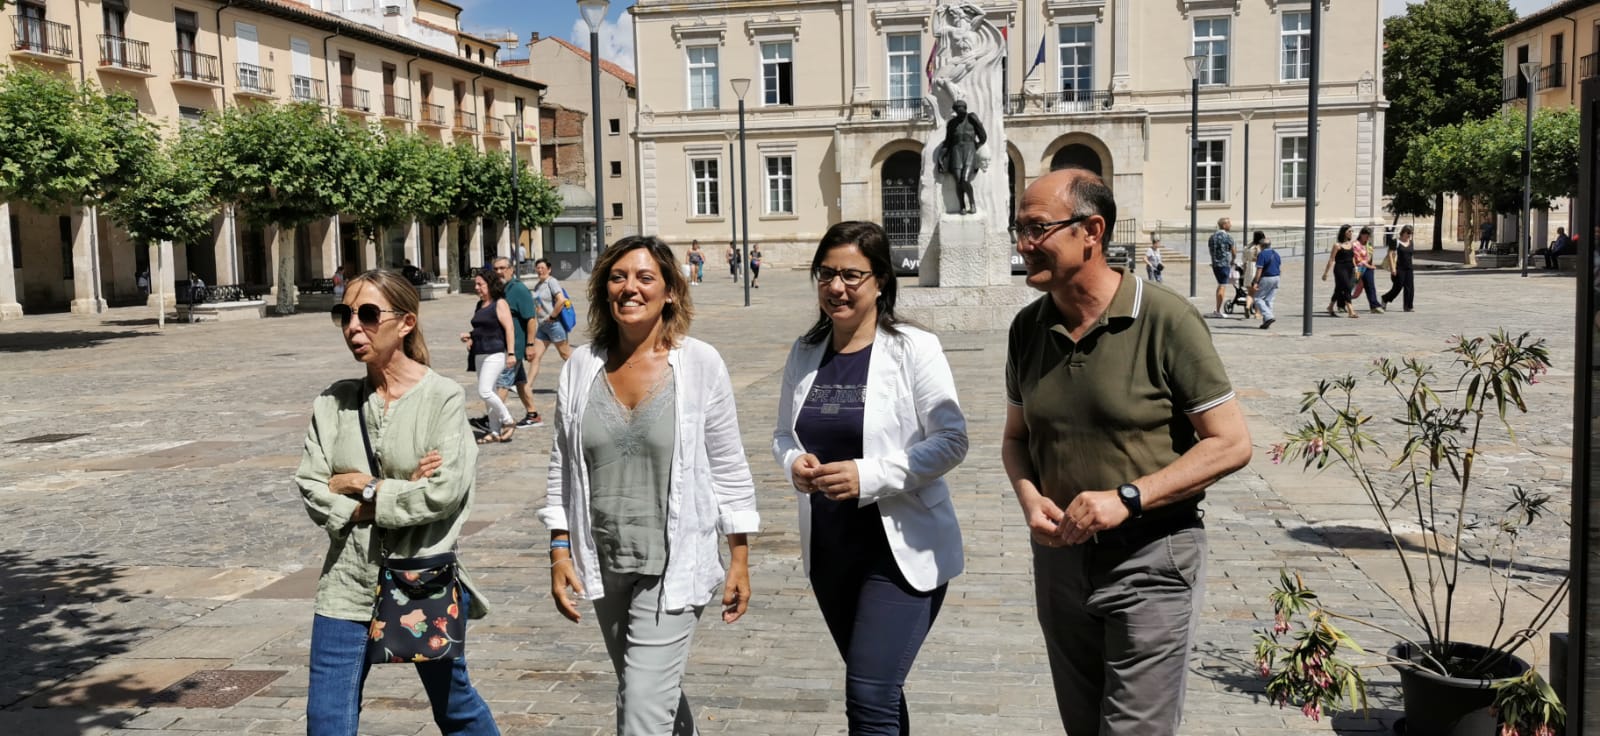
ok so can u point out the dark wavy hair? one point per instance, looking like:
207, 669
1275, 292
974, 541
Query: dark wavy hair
1344, 234
675, 315
491, 279
873, 242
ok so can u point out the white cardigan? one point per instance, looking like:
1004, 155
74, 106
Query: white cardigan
913, 433
711, 493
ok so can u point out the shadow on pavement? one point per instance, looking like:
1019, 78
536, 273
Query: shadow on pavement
26, 342
1343, 536
57, 628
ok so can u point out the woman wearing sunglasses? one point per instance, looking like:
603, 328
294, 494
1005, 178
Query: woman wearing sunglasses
868, 424
491, 349
416, 422
647, 470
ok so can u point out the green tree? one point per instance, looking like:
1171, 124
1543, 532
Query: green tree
171, 196
391, 186
536, 201
285, 165
66, 144
1482, 159
1441, 67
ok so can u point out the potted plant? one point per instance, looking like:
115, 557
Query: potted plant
1449, 686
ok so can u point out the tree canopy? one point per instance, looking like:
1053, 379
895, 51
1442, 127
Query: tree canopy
1482, 159
171, 195
284, 165
66, 144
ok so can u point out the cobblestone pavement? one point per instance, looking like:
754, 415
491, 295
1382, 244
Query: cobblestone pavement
166, 539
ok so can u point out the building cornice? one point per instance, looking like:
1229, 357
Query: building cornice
1190, 7
725, 7
699, 30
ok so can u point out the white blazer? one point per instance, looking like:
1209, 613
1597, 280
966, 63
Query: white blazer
712, 493
913, 433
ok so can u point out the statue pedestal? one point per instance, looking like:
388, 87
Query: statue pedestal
965, 281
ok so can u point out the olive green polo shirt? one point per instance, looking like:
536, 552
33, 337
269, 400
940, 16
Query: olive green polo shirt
1114, 406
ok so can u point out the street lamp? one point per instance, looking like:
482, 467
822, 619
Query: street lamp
1244, 230
740, 86
1530, 73
1194, 64
515, 124
594, 13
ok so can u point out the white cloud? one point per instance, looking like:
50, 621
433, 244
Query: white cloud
616, 40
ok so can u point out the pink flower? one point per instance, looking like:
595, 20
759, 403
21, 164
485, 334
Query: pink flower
1507, 729
1317, 446
1280, 624
1277, 454
1312, 710
1544, 729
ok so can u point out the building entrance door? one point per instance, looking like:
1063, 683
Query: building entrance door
902, 214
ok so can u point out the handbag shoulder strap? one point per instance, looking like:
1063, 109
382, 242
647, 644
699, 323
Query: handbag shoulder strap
366, 441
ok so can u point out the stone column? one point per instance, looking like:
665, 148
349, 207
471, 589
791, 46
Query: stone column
84, 299
502, 246
226, 250
475, 243
1122, 26
369, 252
414, 243
330, 260
10, 308
161, 296
442, 255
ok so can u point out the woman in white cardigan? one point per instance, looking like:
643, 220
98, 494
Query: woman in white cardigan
647, 469
868, 424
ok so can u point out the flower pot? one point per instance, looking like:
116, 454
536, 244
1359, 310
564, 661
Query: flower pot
1440, 705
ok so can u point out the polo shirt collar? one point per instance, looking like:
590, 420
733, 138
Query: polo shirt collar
1127, 303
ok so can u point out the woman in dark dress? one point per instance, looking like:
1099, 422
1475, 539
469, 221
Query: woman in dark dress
1342, 262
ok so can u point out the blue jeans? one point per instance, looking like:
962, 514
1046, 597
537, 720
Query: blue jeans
339, 672
878, 621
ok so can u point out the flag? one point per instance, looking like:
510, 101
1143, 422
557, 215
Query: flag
1037, 59
932, 54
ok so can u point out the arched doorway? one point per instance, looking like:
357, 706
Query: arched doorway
1076, 155
902, 212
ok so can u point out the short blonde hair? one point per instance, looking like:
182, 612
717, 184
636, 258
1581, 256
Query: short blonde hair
1222, 221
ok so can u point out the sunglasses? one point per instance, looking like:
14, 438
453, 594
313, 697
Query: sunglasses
369, 314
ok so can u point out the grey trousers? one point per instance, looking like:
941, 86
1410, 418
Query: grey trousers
649, 650
1266, 295
1117, 625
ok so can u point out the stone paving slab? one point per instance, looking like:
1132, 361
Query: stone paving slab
174, 522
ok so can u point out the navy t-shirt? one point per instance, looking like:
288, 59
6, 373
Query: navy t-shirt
829, 426
1270, 263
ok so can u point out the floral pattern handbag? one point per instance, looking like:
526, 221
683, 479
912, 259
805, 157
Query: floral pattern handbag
418, 614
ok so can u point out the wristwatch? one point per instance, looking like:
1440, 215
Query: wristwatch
370, 492
1129, 494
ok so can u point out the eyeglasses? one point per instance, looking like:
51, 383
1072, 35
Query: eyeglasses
1033, 232
369, 314
850, 277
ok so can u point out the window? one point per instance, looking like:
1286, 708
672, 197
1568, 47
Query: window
780, 185
114, 14
300, 81
616, 168
1211, 41
905, 68
702, 77
616, 209
1293, 154
777, 73
706, 199
188, 26
1295, 66
1208, 170
1077, 62
615, 126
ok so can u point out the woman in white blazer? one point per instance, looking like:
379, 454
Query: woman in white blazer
868, 425
647, 470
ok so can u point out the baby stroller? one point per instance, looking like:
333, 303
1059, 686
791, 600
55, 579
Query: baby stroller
1241, 294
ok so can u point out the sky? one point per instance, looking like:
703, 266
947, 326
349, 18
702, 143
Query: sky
560, 18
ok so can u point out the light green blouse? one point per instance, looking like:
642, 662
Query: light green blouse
628, 453
414, 518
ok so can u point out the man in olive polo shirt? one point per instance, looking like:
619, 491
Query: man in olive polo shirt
1120, 416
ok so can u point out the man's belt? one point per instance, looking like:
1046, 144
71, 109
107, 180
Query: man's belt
1139, 532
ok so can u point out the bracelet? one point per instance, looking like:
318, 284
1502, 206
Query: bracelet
557, 562
560, 544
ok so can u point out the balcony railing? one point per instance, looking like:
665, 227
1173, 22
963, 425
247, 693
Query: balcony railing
355, 98
193, 66
494, 128
1589, 66
432, 115
902, 109
306, 89
1065, 101
466, 120
1553, 75
396, 107
254, 80
124, 53
1513, 87
39, 36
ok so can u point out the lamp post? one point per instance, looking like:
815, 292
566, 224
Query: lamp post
594, 13
1312, 87
741, 85
1245, 228
515, 124
1193, 63
1530, 73
733, 212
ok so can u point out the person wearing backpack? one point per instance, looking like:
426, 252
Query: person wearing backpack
548, 301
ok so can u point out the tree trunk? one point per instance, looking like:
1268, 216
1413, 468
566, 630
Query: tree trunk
285, 281
1438, 221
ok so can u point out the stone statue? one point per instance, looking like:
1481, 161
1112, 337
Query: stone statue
958, 155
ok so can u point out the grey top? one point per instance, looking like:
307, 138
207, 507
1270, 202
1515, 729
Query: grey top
546, 294
628, 455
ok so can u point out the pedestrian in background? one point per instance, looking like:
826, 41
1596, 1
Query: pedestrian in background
1562, 244
490, 346
1342, 263
524, 322
1222, 259
1366, 271
1247, 278
1109, 450
755, 267
1152, 259
1268, 269
733, 262
697, 260
1402, 268
647, 469
416, 422
878, 533
549, 299
1486, 234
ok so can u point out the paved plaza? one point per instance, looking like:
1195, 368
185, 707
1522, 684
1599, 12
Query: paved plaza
163, 538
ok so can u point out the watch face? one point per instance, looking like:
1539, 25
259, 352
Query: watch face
1128, 492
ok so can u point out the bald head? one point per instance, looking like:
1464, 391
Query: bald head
1075, 191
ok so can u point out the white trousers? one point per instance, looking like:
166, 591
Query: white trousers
489, 368
649, 649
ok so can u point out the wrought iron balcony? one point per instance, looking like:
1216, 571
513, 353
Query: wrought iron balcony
1589, 66
1552, 76
354, 98
466, 120
901, 109
192, 66
117, 52
494, 128
306, 89
396, 107
1513, 88
432, 115
254, 80
1065, 101
40, 37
